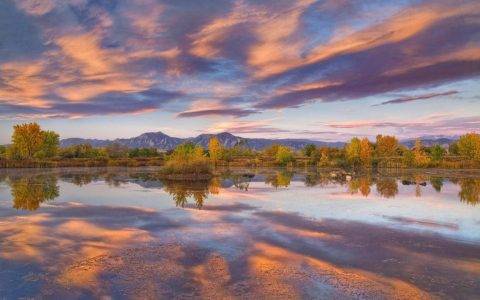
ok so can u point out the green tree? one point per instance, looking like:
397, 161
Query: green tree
143, 152
408, 158
469, 146
116, 151
50, 144
453, 149
309, 150
437, 152
3, 152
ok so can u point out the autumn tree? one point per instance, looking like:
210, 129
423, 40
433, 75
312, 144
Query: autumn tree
386, 145
469, 145
352, 151
271, 151
284, 155
27, 140
214, 149
366, 152
420, 158
30, 141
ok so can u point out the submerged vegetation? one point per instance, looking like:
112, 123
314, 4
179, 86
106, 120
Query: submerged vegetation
33, 147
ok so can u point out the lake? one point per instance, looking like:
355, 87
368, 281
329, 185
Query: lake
266, 233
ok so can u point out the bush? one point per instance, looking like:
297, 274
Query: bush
187, 159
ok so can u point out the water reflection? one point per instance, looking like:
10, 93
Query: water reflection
280, 178
470, 191
347, 235
181, 191
30, 189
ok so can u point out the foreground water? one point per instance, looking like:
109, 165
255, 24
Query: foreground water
123, 233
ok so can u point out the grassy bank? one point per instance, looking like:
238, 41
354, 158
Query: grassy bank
82, 162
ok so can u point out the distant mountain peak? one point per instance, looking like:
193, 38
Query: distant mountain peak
165, 142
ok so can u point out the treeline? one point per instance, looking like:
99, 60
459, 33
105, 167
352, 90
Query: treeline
32, 145
385, 152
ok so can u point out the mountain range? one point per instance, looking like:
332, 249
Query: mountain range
165, 142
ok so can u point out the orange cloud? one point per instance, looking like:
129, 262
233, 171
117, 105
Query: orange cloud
23, 84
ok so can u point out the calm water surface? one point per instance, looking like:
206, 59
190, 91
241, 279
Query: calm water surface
123, 233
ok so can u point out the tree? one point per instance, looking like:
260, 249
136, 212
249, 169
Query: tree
324, 157
421, 160
214, 149
272, 150
50, 144
469, 146
3, 151
27, 139
408, 158
352, 151
453, 149
116, 150
366, 153
284, 155
386, 145
309, 150
437, 152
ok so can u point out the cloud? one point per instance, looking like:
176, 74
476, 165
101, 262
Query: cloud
235, 112
61, 58
431, 125
416, 98
237, 127
410, 50
104, 104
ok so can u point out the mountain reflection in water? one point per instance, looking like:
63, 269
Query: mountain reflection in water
29, 190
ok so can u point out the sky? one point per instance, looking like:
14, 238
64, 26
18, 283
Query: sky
325, 70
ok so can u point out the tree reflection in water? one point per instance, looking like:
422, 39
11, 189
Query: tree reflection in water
29, 192
279, 178
387, 187
437, 183
469, 191
361, 185
182, 190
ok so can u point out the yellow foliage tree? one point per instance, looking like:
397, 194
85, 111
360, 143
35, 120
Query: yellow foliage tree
386, 145
214, 149
27, 139
352, 151
366, 153
420, 158
469, 145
